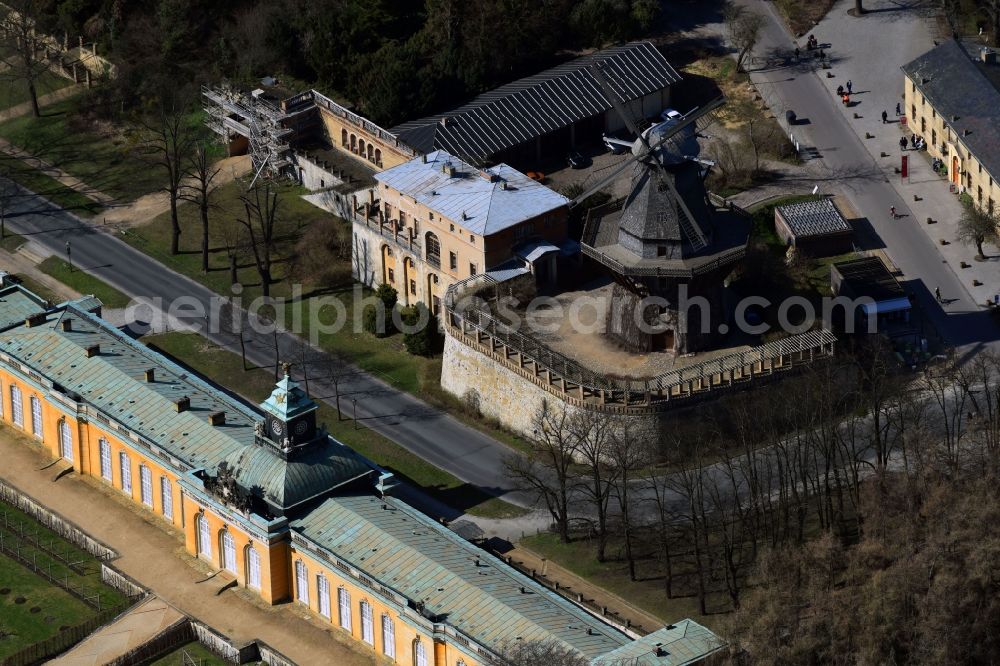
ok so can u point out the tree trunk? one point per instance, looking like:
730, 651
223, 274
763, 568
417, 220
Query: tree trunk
265, 282
33, 95
204, 235
234, 276
175, 225
859, 8
979, 248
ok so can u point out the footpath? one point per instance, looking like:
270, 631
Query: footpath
152, 553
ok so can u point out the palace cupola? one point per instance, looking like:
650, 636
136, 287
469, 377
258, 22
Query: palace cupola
289, 418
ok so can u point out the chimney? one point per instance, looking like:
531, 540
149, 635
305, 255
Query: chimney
954, 119
423, 158
150, 375
444, 121
217, 418
182, 404
464, 216
67, 324
988, 56
93, 350
966, 132
503, 184
35, 320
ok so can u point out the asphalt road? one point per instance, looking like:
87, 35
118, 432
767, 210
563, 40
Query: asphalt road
428, 432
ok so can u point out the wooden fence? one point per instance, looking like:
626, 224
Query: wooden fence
64, 640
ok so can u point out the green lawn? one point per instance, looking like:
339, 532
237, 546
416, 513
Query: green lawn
14, 92
11, 242
45, 608
48, 187
83, 282
104, 161
647, 593
225, 368
192, 653
19, 626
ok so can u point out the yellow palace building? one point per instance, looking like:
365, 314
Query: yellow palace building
265, 494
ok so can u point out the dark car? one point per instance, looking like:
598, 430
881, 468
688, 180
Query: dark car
578, 161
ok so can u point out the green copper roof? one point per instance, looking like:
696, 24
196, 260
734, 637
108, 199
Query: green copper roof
17, 304
288, 400
472, 590
285, 484
685, 642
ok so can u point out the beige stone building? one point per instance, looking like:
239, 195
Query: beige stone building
435, 220
952, 100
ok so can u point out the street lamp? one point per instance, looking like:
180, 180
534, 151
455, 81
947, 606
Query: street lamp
354, 405
69, 256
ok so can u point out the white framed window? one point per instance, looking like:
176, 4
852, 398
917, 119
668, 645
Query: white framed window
367, 628
344, 604
419, 653
36, 416
204, 536
253, 568
104, 450
323, 590
146, 485
228, 552
16, 406
301, 582
125, 469
388, 637
167, 497
65, 440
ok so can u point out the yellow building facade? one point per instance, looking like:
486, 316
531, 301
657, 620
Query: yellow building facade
268, 498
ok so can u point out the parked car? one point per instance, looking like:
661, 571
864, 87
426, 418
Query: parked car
578, 161
536, 176
670, 114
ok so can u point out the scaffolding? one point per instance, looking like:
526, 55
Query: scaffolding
258, 120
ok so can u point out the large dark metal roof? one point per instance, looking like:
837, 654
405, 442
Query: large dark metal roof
956, 85
869, 277
534, 106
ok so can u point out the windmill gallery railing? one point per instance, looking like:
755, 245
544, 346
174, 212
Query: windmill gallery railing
472, 324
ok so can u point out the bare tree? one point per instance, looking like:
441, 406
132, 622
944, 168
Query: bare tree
592, 432
8, 190
629, 452
232, 321
260, 204
165, 138
24, 54
201, 173
547, 470
743, 29
540, 653
977, 226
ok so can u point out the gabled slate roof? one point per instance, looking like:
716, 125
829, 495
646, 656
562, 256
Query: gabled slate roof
17, 304
536, 105
482, 202
956, 85
684, 642
814, 218
468, 588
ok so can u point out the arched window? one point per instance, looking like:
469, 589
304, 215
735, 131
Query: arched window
433, 249
323, 590
36, 417
104, 450
65, 440
253, 568
419, 653
301, 582
343, 137
361, 147
228, 552
167, 497
354, 143
16, 406
204, 536
125, 469
388, 637
378, 157
367, 624
145, 485
371, 152
344, 607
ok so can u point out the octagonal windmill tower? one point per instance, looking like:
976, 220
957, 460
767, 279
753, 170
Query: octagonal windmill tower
665, 240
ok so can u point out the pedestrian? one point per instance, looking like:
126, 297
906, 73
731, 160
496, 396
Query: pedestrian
796, 52
899, 109
885, 116
892, 212
902, 143
913, 141
847, 99
840, 91
850, 87
937, 294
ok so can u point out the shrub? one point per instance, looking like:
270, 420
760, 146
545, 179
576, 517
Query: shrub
426, 341
370, 321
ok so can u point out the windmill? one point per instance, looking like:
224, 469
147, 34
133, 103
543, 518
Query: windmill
664, 239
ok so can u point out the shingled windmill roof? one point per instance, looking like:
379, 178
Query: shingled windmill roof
651, 211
